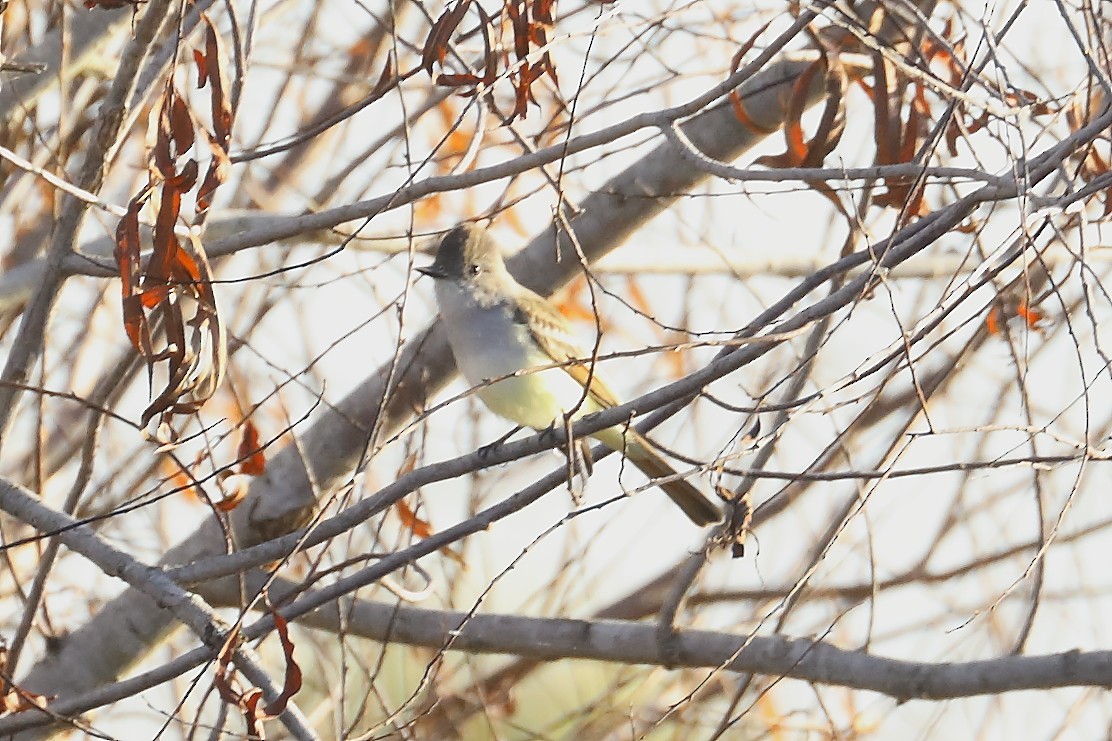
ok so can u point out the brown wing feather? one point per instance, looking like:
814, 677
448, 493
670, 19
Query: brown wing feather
552, 333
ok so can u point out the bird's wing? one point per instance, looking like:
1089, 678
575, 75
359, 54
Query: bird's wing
551, 332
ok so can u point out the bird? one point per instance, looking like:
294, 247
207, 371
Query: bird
499, 330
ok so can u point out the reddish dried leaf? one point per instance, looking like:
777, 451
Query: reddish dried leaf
177, 368
796, 149
174, 134
153, 296
735, 99
222, 674
409, 518
246, 701
952, 134
291, 684
1037, 107
518, 14
196, 358
252, 460
490, 71
744, 118
537, 35
461, 80
127, 262
183, 268
1031, 315
542, 11
217, 173
165, 242
796, 145
233, 497
180, 123
249, 704
162, 154
795, 152
978, 123
534, 72
166, 246
127, 244
994, 320
219, 142
134, 321
886, 145
219, 106
202, 67
523, 95
829, 130
436, 46
549, 68
183, 181
423, 529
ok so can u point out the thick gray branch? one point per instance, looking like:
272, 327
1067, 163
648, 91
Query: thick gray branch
636, 643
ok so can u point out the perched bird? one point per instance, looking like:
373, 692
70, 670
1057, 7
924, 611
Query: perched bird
498, 328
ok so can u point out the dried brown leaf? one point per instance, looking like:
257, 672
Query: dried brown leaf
252, 458
235, 489
436, 45
291, 683
409, 518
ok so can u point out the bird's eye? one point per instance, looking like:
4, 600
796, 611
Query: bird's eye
474, 269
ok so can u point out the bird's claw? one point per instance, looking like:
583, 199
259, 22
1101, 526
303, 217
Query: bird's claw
485, 451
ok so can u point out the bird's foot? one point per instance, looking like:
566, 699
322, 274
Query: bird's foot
486, 451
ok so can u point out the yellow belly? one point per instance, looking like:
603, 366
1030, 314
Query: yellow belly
537, 400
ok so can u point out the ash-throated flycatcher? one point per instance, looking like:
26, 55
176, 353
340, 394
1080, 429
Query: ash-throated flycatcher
498, 328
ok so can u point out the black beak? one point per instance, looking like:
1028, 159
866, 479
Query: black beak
432, 271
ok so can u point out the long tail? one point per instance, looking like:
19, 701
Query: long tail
695, 504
